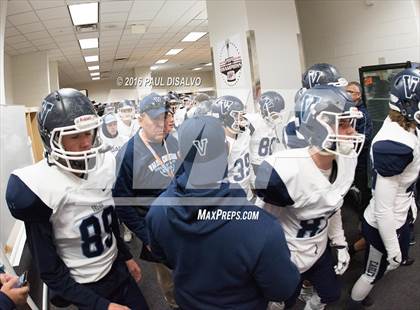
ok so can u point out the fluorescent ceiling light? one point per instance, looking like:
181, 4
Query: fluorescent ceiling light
196, 69
96, 78
193, 36
209, 64
93, 68
95, 74
161, 61
88, 43
154, 68
91, 58
174, 51
85, 13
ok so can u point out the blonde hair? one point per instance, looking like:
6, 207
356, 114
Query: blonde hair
397, 117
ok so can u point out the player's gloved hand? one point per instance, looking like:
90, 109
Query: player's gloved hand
394, 261
134, 269
113, 306
343, 259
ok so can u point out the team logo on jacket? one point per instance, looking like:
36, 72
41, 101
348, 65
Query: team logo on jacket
166, 167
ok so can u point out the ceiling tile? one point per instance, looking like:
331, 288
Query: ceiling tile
53, 13
24, 18
22, 45
60, 31
113, 17
171, 12
116, 7
157, 29
65, 38
152, 36
112, 26
144, 10
18, 6
202, 28
28, 50
43, 4
37, 35
43, 41
47, 47
55, 52
27, 28
114, 33
11, 31
15, 39
58, 23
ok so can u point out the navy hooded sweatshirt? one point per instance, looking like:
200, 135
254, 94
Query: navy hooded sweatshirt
220, 264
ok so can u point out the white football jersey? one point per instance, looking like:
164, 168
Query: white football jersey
264, 140
113, 144
81, 215
393, 139
313, 201
179, 116
239, 163
127, 131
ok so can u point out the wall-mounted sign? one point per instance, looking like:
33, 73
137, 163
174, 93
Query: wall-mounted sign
230, 61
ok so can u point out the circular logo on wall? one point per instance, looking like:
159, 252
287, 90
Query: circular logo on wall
230, 62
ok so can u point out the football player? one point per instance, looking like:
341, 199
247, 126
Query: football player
232, 115
66, 204
110, 135
127, 124
113, 142
181, 113
317, 74
109, 108
264, 127
396, 163
304, 188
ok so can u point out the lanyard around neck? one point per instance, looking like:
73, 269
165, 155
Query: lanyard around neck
155, 155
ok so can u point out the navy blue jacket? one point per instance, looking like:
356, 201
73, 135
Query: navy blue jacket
364, 126
5, 302
142, 179
290, 138
221, 263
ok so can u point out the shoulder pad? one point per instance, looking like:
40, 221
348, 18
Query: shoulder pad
23, 203
270, 187
391, 158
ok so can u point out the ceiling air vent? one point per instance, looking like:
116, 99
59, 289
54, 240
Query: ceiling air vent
86, 28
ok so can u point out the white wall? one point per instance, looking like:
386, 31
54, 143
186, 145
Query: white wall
8, 78
276, 27
351, 34
3, 9
30, 79
226, 19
